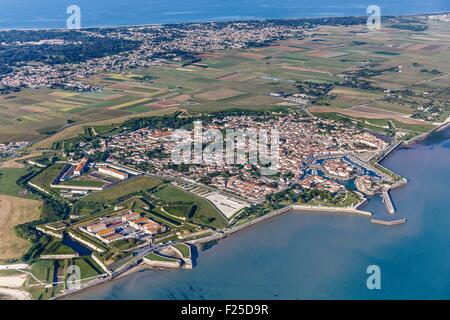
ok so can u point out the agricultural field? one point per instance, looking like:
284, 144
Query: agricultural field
244, 78
15, 211
8, 178
156, 257
403, 60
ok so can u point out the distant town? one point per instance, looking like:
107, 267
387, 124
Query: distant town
142, 47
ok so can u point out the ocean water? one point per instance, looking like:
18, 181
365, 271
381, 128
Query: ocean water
325, 256
23, 14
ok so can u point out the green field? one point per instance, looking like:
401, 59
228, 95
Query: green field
58, 248
243, 79
88, 267
184, 249
46, 177
206, 213
123, 189
182, 211
157, 257
8, 178
43, 270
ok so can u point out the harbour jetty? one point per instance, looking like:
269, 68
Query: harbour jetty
388, 222
388, 201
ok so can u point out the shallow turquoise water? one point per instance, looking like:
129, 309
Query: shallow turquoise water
323, 256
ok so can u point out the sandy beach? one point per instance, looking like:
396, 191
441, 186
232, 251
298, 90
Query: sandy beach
13, 294
10, 288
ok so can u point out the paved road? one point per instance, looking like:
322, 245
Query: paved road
17, 266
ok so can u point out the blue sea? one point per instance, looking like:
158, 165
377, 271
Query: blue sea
325, 256
25, 14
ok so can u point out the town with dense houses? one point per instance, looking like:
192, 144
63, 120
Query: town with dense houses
301, 141
155, 45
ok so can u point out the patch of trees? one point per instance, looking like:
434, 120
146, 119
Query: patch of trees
432, 72
314, 89
357, 84
52, 210
80, 47
410, 27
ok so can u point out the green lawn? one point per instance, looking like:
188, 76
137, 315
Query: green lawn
43, 270
183, 211
46, 177
123, 189
88, 267
351, 199
159, 216
10, 273
57, 247
206, 213
184, 249
8, 178
88, 238
157, 257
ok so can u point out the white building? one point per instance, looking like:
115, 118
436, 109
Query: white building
113, 173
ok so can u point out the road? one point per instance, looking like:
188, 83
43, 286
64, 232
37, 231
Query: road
17, 266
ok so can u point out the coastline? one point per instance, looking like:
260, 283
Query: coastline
217, 19
419, 138
288, 209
